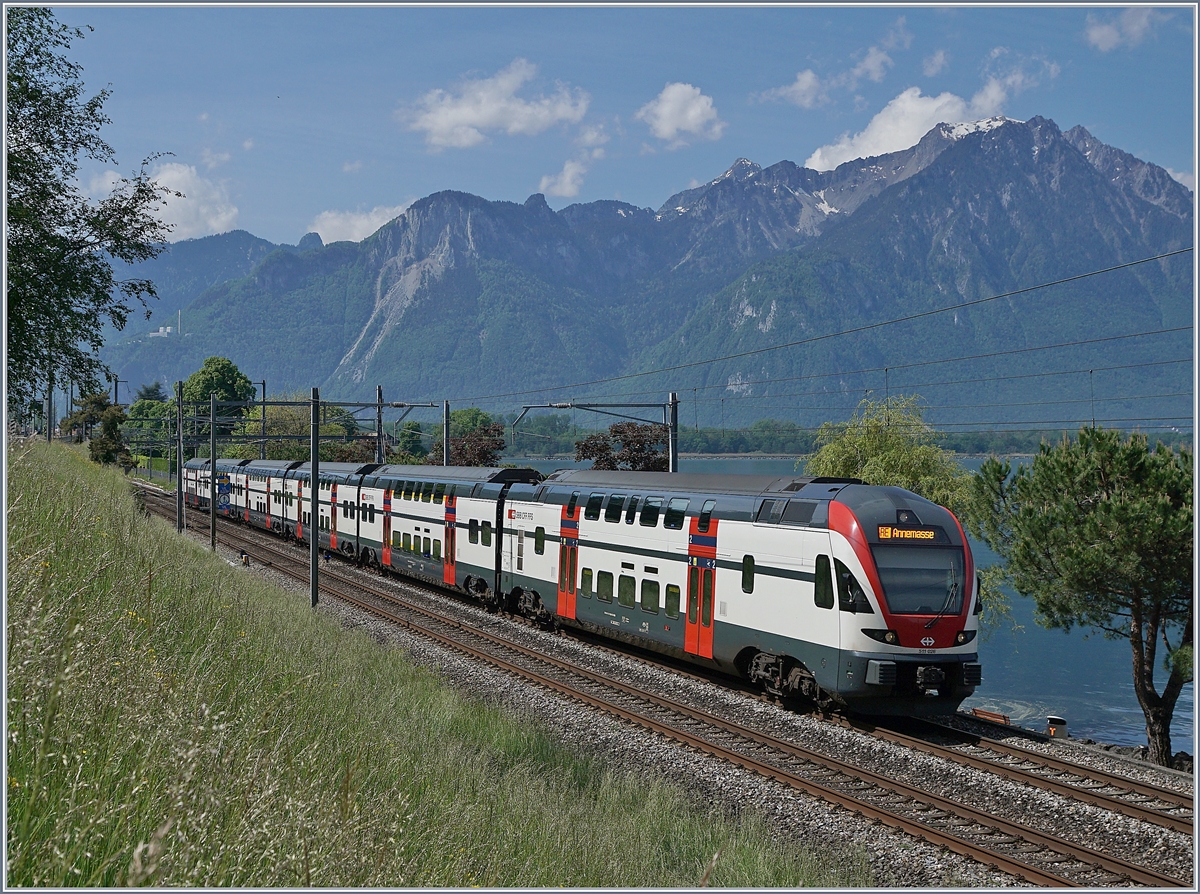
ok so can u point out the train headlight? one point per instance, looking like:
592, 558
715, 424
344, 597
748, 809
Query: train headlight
964, 637
883, 636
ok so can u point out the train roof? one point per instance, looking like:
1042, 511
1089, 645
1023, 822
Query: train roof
741, 485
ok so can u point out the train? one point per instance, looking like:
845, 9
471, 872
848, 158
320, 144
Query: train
830, 591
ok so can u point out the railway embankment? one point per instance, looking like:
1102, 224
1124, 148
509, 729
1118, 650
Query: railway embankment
173, 721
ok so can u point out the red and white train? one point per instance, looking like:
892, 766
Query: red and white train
828, 589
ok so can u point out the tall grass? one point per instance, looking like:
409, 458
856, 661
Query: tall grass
174, 721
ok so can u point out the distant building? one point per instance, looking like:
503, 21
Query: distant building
163, 332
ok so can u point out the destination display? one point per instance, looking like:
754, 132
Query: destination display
915, 536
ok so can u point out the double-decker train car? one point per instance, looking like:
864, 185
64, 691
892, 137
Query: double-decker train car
828, 589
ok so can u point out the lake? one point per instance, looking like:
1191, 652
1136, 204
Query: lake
1028, 673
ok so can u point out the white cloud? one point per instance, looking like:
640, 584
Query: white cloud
1128, 29
934, 64
807, 91
681, 109
1188, 180
873, 67
205, 208
459, 120
898, 35
213, 159
908, 117
566, 182
248, 145
592, 135
900, 124
353, 226
351, 167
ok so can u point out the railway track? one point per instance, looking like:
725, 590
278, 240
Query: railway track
1031, 854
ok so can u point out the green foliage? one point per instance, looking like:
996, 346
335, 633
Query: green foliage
887, 442
108, 447
409, 444
152, 392
1099, 532
219, 375
626, 446
294, 424
60, 245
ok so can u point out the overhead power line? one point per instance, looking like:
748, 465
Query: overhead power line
816, 338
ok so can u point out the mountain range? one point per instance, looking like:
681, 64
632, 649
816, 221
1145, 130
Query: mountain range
492, 303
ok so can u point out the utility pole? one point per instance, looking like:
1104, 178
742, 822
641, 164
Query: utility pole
671, 411
445, 433
212, 470
262, 453
179, 458
314, 499
379, 424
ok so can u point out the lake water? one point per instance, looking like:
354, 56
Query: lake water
1028, 673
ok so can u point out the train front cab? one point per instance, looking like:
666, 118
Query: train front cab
908, 603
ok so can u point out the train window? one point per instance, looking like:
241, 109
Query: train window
438, 493
573, 502
604, 586
592, 511
473, 531
396, 542
427, 493
407, 490
675, 511
747, 574
851, 597
823, 594
706, 512
672, 606
631, 510
571, 577
707, 599
650, 511
539, 541
693, 594
486, 534
799, 512
585, 583
437, 550
978, 589
408, 542
615, 503
650, 596
626, 589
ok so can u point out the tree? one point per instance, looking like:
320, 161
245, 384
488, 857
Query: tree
91, 409
108, 447
1099, 532
60, 244
888, 442
475, 440
153, 392
641, 448
408, 442
219, 375
294, 423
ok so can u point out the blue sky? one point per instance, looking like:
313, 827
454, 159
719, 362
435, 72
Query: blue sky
286, 119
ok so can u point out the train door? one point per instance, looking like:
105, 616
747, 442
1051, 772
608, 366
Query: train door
386, 548
701, 586
449, 541
333, 514
568, 561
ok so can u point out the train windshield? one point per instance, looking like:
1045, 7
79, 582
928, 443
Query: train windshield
921, 580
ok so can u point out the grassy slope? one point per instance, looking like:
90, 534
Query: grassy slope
176, 722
